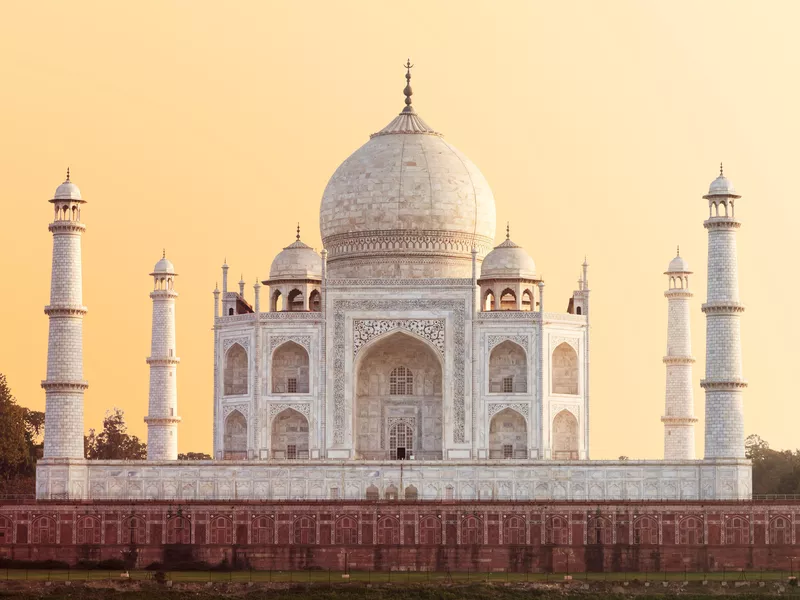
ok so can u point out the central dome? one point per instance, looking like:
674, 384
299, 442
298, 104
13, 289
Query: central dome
406, 204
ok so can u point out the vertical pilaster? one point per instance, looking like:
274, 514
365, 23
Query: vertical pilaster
724, 383
64, 385
257, 408
162, 418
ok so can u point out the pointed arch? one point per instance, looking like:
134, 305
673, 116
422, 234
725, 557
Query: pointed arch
599, 531
290, 436
179, 530
134, 530
276, 302
305, 531
508, 369
221, 530
471, 530
346, 530
263, 530
488, 300
508, 435
315, 301
295, 301
235, 376
6, 530
645, 531
290, 369
780, 532
565, 436
430, 531
43, 531
527, 300
508, 300
514, 530
388, 531
235, 440
88, 530
565, 370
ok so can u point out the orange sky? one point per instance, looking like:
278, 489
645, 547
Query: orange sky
211, 128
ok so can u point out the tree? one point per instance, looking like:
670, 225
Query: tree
774, 471
194, 456
20, 442
114, 442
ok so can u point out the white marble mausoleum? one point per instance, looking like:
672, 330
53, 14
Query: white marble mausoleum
410, 358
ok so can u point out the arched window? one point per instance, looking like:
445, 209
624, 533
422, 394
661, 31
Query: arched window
578, 310
43, 531
235, 375
391, 493
645, 531
508, 300
508, 435
599, 531
780, 532
737, 531
290, 435
373, 493
134, 531
277, 301
179, 531
388, 531
508, 369
565, 436
411, 492
315, 301
488, 300
471, 530
6, 531
401, 382
263, 531
690, 531
235, 441
556, 531
527, 300
295, 300
230, 312
514, 530
401, 441
346, 531
565, 369
88, 530
305, 531
290, 372
430, 531
221, 531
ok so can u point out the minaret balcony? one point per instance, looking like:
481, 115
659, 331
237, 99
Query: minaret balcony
65, 310
722, 223
164, 361
64, 385
678, 360
722, 307
66, 227
728, 385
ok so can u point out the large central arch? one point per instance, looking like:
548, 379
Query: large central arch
398, 399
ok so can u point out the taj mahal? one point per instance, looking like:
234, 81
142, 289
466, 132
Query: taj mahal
410, 358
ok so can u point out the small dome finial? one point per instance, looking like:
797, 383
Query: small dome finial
298, 231
679, 250
163, 253
407, 91
721, 174
67, 173
508, 230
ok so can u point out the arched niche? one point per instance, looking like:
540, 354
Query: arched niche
381, 402
289, 438
235, 371
508, 369
565, 436
235, 441
290, 369
508, 435
565, 370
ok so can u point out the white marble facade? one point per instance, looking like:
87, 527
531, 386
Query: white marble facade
408, 358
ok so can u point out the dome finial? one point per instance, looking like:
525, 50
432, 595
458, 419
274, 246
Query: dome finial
508, 230
679, 250
163, 253
298, 231
407, 91
67, 173
720, 170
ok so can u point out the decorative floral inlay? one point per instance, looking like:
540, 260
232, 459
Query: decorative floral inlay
244, 342
521, 340
304, 408
366, 329
277, 340
241, 407
555, 341
521, 407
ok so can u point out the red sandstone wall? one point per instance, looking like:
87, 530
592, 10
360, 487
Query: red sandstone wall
479, 536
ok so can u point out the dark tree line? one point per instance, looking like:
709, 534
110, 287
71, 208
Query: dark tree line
774, 471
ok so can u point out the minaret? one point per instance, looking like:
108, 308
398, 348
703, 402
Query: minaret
64, 385
162, 418
678, 416
723, 383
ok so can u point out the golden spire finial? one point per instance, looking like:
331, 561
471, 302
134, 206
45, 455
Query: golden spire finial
679, 250
67, 173
508, 230
407, 91
298, 231
720, 170
163, 253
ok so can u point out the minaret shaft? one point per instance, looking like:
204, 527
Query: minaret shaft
162, 419
724, 383
64, 386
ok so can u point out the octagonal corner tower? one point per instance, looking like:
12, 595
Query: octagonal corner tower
406, 204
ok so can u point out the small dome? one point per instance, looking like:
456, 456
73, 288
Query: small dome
678, 265
68, 191
508, 261
721, 186
164, 266
296, 261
